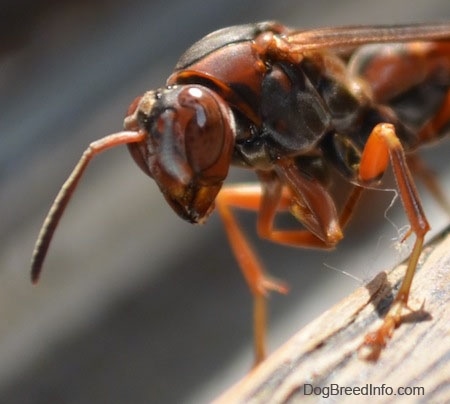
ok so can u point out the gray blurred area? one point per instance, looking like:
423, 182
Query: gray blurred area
135, 305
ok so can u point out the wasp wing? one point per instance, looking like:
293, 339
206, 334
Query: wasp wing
346, 37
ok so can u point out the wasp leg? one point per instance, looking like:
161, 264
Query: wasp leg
428, 177
248, 197
434, 127
383, 144
268, 199
311, 204
431, 131
349, 207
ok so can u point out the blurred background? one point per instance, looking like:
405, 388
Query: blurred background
135, 305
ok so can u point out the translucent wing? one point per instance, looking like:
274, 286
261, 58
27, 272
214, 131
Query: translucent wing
351, 36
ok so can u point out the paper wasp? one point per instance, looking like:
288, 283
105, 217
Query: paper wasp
293, 106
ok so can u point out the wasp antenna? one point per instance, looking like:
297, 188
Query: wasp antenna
65, 193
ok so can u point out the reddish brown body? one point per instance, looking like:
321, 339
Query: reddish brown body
292, 106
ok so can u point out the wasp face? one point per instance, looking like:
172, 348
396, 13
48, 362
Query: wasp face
190, 138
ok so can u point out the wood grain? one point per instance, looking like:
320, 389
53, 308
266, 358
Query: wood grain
414, 366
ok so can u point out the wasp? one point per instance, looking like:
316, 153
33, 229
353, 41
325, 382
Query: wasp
294, 106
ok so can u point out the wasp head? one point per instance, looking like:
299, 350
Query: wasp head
189, 142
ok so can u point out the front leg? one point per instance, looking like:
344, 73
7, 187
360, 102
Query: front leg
248, 197
289, 190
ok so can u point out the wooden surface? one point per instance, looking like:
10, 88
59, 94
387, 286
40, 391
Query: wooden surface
324, 354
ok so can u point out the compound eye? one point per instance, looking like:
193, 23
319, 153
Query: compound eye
207, 129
